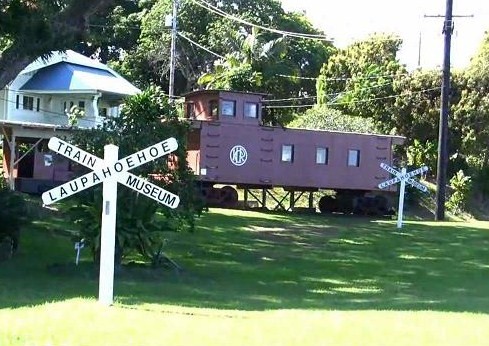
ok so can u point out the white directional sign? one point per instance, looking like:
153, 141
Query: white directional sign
109, 171
403, 177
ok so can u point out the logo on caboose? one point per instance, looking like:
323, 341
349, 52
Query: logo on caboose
238, 155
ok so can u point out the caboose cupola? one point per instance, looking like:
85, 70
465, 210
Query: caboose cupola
224, 106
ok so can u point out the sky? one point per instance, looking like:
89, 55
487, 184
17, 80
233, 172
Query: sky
347, 21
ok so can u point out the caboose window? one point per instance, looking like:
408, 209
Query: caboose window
229, 108
287, 153
353, 158
322, 156
251, 110
190, 110
213, 108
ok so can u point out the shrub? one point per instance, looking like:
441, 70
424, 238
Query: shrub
12, 217
422, 154
326, 118
460, 185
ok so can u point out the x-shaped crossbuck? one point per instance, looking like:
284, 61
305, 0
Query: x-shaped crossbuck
399, 176
101, 171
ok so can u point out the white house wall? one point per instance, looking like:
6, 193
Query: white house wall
3, 103
52, 109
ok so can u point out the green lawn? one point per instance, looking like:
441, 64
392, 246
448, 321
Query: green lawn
261, 279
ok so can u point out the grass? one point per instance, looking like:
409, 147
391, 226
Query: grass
261, 279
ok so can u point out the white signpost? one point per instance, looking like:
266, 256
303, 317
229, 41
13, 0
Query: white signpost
110, 170
403, 177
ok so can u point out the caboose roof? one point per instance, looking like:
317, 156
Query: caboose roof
218, 91
398, 139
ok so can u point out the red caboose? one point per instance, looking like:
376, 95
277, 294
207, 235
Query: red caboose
229, 145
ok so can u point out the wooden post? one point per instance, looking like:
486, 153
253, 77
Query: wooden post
107, 237
401, 199
12, 162
311, 200
292, 200
245, 197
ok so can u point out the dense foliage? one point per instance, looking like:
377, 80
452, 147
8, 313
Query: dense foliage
325, 118
269, 55
142, 225
12, 217
33, 28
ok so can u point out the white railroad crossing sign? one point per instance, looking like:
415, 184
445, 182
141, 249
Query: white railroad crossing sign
403, 177
110, 170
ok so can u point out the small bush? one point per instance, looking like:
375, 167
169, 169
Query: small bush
460, 185
12, 217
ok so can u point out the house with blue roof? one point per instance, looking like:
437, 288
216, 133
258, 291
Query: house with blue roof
38, 104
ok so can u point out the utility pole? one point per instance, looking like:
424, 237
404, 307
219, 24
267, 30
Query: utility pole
419, 50
441, 178
171, 85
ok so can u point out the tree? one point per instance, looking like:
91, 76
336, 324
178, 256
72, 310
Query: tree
361, 79
33, 28
326, 118
142, 226
472, 112
148, 62
231, 74
470, 118
115, 32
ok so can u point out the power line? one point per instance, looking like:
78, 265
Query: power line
339, 79
290, 106
356, 101
383, 98
306, 78
220, 12
114, 26
330, 94
200, 46
295, 77
291, 99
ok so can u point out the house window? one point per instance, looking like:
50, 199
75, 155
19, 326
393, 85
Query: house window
213, 108
322, 156
28, 102
81, 105
190, 110
38, 104
287, 153
17, 102
102, 112
251, 110
229, 108
353, 158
